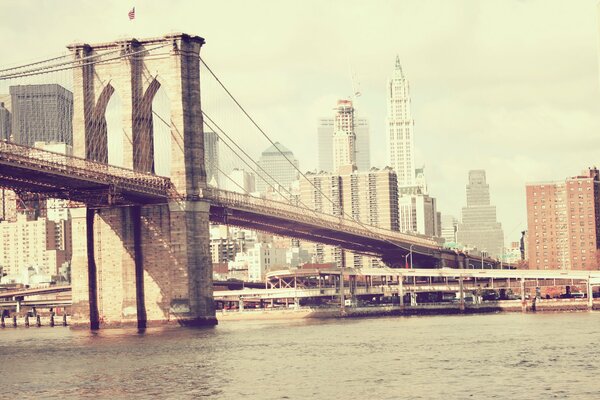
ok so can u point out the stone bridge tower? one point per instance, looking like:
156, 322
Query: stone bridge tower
147, 263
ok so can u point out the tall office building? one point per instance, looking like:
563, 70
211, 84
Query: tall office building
418, 214
41, 113
274, 161
479, 227
400, 127
211, 158
325, 145
369, 197
327, 129
563, 223
344, 139
5, 122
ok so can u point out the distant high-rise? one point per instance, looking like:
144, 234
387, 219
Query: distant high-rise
41, 113
327, 129
8, 205
32, 244
211, 158
418, 214
274, 161
400, 127
479, 227
240, 181
4, 122
448, 228
563, 223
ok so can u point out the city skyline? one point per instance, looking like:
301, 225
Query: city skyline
512, 102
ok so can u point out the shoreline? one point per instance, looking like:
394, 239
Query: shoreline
394, 310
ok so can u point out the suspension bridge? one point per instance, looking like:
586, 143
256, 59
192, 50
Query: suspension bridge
141, 231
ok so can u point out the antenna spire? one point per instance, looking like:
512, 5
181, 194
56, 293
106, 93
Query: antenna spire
398, 66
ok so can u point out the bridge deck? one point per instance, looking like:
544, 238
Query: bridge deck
27, 169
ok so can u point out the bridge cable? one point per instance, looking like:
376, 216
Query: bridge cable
364, 226
34, 63
291, 195
74, 63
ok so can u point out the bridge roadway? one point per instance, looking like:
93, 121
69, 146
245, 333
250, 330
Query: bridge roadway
31, 170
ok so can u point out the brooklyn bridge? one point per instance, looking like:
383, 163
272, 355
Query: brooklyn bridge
141, 240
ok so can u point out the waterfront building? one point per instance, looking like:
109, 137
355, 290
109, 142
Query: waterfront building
261, 258
274, 160
563, 223
211, 158
479, 228
512, 254
41, 113
400, 127
30, 247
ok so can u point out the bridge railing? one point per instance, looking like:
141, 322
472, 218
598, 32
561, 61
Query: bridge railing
304, 214
90, 170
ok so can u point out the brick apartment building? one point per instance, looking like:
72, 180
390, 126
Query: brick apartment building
563, 219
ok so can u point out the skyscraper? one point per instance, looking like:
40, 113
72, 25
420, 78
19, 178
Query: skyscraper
418, 214
327, 129
211, 158
41, 113
274, 161
369, 197
325, 145
400, 127
344, 139
563, 222
479, 227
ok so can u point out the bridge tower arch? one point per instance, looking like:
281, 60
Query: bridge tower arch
147, 262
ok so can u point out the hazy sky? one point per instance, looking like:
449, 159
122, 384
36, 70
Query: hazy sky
507, 86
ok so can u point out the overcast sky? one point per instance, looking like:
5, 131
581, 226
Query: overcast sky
506, 86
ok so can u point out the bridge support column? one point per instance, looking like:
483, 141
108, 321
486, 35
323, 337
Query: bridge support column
104, 268
590, 293
177, 263
138, 265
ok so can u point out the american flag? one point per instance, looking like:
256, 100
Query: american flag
132, 13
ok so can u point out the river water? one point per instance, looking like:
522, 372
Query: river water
493, 356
